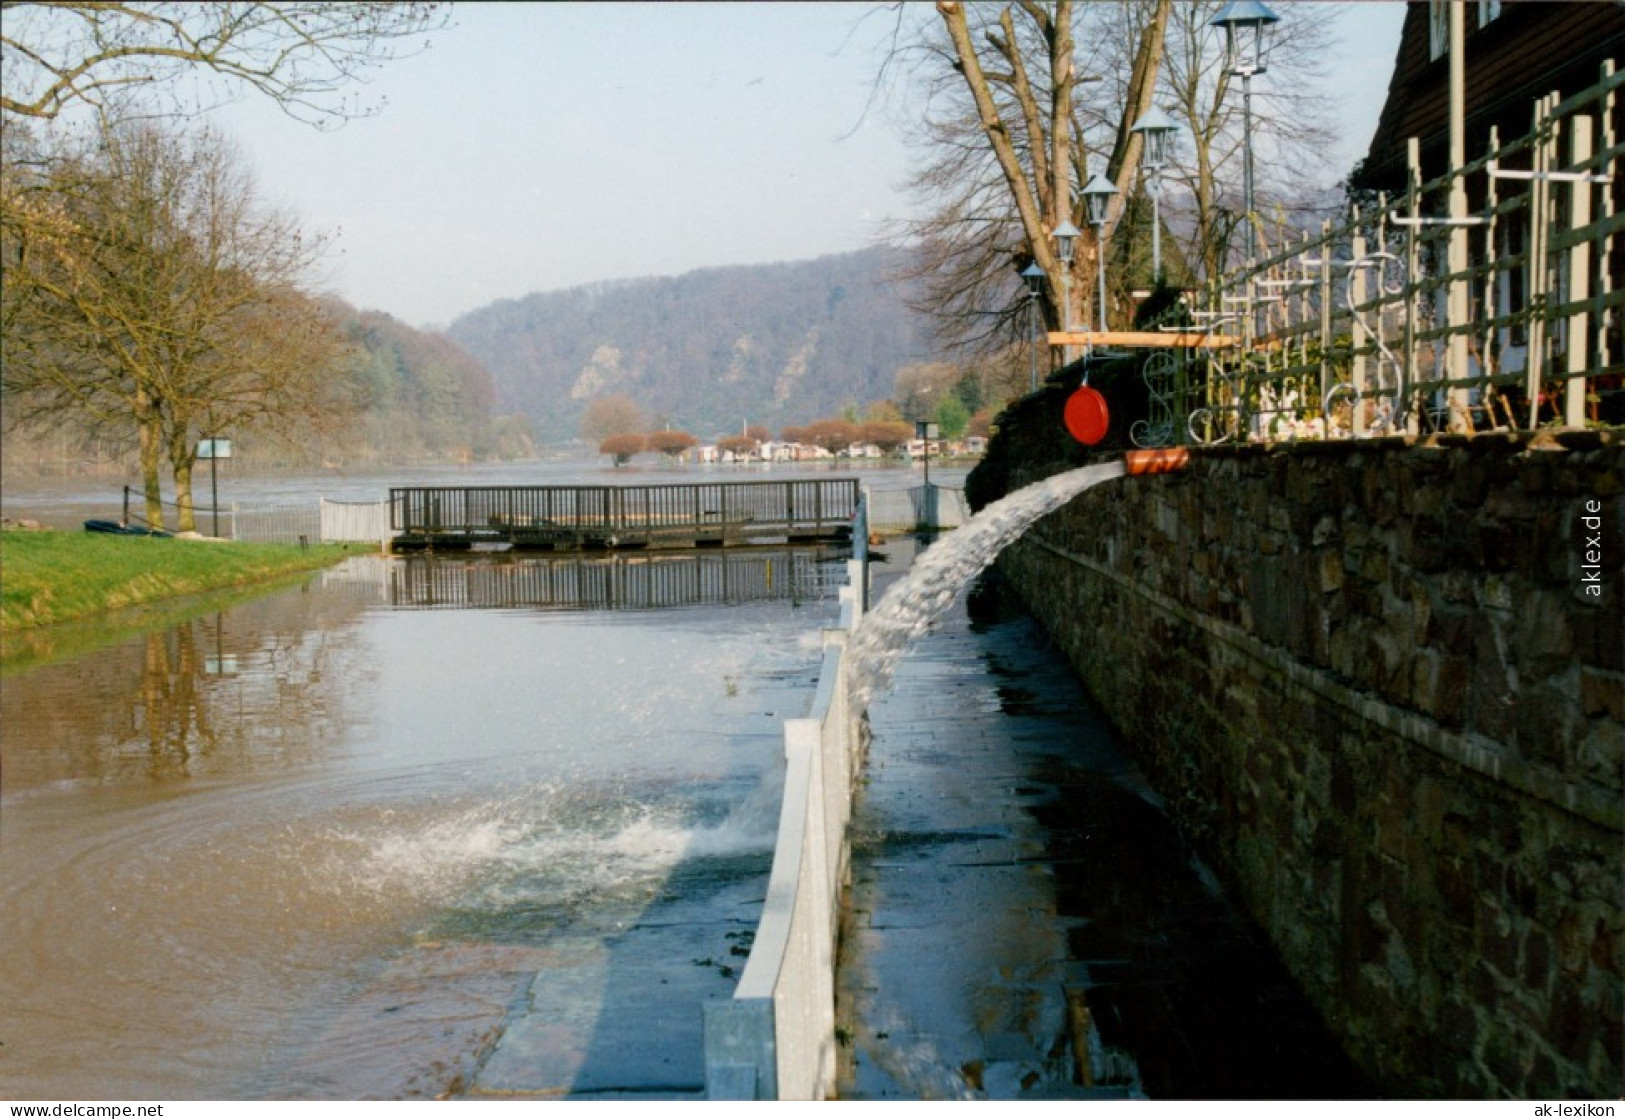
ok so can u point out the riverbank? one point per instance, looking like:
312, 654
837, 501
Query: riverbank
51, 577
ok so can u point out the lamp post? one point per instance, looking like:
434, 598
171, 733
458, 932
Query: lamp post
1066, 243
1098, 196
1246, 26
1156, 128
1034, 276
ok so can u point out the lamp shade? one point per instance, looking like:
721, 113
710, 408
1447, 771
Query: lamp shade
1066, 240
1034, 276
1157, 128
1246, 26
1098, 196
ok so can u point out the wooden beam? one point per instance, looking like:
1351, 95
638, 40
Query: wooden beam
1143, 339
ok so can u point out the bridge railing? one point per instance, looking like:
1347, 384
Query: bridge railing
775, 1038
1492, 297
815, 505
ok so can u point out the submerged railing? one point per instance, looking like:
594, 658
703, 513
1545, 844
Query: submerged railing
775, 1038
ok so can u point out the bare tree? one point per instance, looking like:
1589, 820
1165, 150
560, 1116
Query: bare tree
1008, 142
621, 446
1017, 104
615, 414
1290, 126
146, 290
670, 443
179, 56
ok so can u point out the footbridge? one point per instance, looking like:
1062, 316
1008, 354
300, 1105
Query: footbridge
604, 518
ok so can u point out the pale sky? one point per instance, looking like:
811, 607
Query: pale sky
535, 147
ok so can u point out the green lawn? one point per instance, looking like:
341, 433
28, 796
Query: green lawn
50, 577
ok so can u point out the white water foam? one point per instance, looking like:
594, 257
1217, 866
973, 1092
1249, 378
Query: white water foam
563, 842
936, 578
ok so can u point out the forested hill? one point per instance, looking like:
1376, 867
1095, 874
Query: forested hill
771, 344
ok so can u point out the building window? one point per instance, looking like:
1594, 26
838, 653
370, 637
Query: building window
1439, 23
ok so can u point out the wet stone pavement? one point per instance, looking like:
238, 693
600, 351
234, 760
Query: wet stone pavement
1025, 922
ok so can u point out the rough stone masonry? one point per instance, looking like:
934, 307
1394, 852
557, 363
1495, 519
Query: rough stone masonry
1382, 687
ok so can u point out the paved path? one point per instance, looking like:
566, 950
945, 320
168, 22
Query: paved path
1024, 921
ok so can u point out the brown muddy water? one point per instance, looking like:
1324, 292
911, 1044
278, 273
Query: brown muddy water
316, 845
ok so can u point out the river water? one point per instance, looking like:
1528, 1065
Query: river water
318, 843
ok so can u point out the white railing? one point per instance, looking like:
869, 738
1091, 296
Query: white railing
775, 1038
358, 521
330, 522
282, 524
1409, 318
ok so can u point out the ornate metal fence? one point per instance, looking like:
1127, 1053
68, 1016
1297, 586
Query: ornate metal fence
1410, 318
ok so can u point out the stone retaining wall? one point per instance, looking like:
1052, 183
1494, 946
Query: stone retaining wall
1381, 688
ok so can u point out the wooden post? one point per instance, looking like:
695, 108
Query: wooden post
1578, 356
1413, 269
1357, 343
1539, 193
1457, 311
1608, 340
1489, 348
1325, 281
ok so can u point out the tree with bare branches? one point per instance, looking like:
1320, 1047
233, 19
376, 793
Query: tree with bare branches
1291, 125
615, 414
145, 290
1009, 142
1025, 101
672, 444
176, 57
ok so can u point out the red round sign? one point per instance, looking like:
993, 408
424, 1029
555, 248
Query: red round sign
1086, 416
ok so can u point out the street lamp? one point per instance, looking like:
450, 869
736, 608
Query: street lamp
1066, 244
1246, 26
1034, 276
1098, 197
1156, 128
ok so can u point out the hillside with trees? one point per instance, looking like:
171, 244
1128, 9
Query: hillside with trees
420, 396
707, 352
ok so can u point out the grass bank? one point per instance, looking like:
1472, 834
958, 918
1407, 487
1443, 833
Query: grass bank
51, 577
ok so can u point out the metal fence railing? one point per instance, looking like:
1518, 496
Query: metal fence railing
919, 507
276, 524
1500, 307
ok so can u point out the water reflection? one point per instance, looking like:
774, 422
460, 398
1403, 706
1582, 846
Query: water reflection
614, 582
191, 700
236, 847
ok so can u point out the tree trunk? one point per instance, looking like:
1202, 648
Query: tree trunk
1043, 193
150, 435
181, 459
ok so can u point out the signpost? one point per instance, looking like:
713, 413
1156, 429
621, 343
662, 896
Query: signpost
214, 449
925, 432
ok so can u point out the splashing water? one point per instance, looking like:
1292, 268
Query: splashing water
570, 846
914, 602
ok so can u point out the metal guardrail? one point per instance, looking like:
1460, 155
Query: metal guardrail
607, 516
1509, 313
775, 1038
918, 507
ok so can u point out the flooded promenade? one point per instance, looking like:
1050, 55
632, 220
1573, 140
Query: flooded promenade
317, 845
1024, 920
